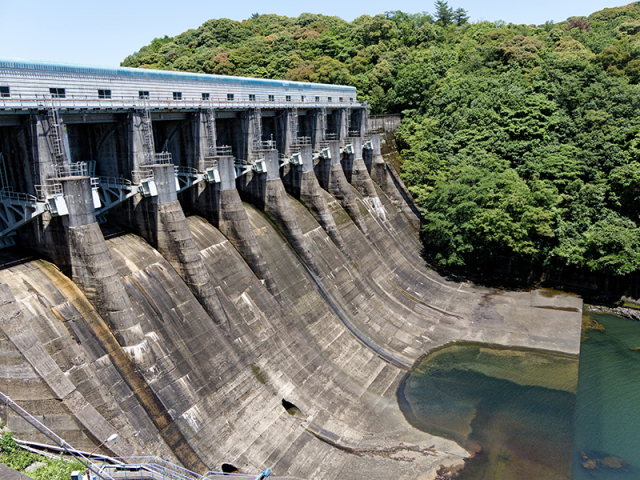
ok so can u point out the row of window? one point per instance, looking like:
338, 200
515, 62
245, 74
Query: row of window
104, 94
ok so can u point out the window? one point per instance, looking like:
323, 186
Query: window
272, 98
104, 93
4, 92
317, 99
341, 99
177, 95
230, 96
328, 99
252, 97
143, 94
57, 92
351, 99
205, 96
302, 98
287, 98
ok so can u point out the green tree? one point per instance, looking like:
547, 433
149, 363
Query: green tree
460, 16
443, 13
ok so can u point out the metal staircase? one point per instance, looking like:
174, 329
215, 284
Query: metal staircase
148, 146
211, 132
257, 130
365, 121
323, 124
293, 125
55, 134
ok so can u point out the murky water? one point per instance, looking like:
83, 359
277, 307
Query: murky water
513, 406
516, 407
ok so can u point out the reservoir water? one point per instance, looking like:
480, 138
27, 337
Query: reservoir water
608, 403
530, 414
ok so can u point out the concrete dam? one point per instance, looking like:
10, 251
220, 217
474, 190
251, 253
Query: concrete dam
227, 273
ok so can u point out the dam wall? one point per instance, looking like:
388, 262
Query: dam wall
249, 313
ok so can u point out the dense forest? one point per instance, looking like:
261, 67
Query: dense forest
518, 141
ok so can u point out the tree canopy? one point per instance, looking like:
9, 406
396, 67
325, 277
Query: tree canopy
519, 141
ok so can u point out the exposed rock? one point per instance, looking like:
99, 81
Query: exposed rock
34, 466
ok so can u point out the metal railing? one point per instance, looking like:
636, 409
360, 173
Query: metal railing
50, 434
83, 102
113, 181
9, 194
137, 176
210, 162
224, 151
48, 190
162, 158
60, 170
265, 145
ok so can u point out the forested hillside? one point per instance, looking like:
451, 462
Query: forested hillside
518, 141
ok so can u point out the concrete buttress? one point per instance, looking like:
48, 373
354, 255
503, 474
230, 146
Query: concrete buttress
221, 205
166, 230
301, 182
92, 269
331, 177
355, 170
267, 192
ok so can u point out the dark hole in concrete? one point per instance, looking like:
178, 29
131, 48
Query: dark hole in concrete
292, 409
228, 468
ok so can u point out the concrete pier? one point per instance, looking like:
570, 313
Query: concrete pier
162, 222
331, 177
301, 182
266, 191
92, 269
356, 171
221, 205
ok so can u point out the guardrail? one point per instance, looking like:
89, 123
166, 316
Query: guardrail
79, 102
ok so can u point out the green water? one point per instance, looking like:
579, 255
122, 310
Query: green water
608, 402
518, 409
513, 407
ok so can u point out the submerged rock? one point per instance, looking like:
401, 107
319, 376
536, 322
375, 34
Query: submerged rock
611, 462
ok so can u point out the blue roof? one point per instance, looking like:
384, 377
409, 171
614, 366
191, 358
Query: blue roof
149, 73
